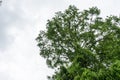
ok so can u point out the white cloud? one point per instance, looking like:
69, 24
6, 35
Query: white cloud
22, 61
20, 22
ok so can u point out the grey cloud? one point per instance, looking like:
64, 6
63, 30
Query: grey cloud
4, 24
15, 14
5, 76
9, 18
6, 20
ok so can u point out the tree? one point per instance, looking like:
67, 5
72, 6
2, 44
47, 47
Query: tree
82, 45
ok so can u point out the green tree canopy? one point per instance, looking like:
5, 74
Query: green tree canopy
82, 45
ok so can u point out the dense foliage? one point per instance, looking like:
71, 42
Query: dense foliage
82, 45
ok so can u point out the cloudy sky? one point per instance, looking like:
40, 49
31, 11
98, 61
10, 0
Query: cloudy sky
20, 23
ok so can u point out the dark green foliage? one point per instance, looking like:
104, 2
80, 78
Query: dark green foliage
82, 45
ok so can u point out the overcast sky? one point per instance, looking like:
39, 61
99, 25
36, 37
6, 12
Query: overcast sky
20, 23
